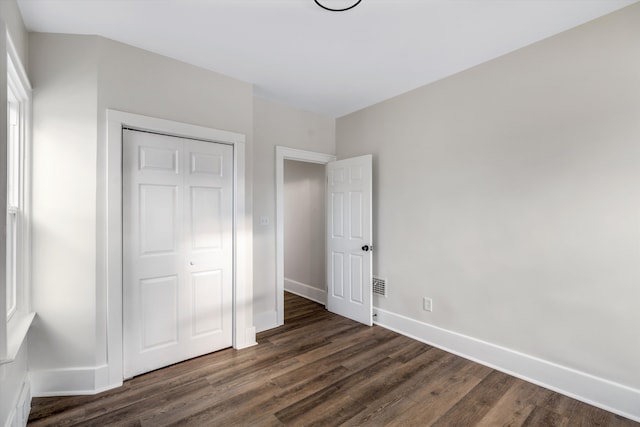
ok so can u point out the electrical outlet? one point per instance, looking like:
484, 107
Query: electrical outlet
427, 304
264, 220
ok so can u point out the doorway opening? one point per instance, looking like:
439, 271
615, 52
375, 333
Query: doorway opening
304, 230
349, 190
298, 159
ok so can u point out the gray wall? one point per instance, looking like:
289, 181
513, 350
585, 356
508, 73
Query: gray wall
304, 223
509, 194
12, 19
275, 124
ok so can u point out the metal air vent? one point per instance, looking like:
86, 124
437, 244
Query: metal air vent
380, 286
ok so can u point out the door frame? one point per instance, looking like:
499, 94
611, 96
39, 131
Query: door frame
243, 330
282, 154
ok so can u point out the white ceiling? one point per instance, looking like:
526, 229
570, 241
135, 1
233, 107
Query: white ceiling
333, 63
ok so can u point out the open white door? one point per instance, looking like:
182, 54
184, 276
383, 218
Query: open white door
349, 238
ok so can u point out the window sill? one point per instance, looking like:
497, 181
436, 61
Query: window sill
17, 329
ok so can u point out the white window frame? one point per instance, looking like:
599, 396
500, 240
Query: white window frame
15, 141
17, 316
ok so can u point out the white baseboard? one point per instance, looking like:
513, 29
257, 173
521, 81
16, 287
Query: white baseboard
599, 392
306, 291
19, 414
70, 381
249, 340
265, 320
83, 381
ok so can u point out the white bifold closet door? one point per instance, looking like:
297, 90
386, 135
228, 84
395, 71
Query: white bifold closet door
177, 249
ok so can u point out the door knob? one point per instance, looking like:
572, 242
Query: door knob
367, 248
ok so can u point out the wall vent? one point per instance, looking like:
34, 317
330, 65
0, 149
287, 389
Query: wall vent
380, 286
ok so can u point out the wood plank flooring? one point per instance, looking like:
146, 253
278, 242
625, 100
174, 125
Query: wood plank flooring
320, 369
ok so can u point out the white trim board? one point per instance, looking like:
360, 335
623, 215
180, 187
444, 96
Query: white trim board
19, 413
282, 154
604, 394
266, 320
306, 291
70, 381
110, 266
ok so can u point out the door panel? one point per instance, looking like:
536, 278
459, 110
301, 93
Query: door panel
209, 247
337, 279
157, 220
349, 208
162, 159
355, 215
337, 215
357, 273
206, 218
207, 164
177, 249
207, 298
159, 308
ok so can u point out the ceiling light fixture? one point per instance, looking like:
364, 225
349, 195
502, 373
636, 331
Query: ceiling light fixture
350, 5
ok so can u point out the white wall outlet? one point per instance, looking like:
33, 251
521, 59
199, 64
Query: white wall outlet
264, 220
427, 304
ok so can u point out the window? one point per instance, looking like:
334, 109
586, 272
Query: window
15, 311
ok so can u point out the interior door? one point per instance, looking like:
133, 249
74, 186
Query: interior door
177, 249
349, 240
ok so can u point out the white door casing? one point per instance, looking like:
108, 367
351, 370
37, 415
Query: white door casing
177, 249
109, 239
349, 238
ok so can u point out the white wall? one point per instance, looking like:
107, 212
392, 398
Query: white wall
275, 124
304, 226
509, 194
64, 76
75, 79
13, 376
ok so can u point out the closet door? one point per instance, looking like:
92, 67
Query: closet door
177, 249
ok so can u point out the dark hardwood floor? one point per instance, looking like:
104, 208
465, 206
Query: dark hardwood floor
322, 369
